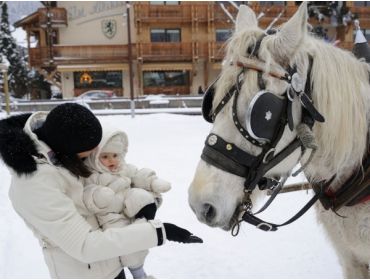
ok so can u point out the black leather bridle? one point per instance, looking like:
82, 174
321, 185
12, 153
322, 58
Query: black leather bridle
230, 158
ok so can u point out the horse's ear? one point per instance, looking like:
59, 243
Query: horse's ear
292, 33
246, 18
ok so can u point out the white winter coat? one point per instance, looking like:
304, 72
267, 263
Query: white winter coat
116, 197
50, 202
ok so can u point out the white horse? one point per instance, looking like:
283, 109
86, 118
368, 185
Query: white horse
340, 91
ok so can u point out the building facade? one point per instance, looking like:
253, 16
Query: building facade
172, 48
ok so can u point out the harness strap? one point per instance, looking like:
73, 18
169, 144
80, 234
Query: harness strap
266, 226
253, 51
228, 96
265, 167
227, 156
355, 190
223, 102
242, 130
276, 190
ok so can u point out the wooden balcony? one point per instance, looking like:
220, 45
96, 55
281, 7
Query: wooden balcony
58, 17
161, 13
88, 54
40, 18
363, 14
171, 13
165, 51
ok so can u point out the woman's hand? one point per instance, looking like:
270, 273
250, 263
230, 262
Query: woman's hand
178, 234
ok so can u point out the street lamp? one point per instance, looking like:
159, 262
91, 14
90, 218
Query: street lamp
4, 70
132, 103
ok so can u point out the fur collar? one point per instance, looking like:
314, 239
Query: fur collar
17, 149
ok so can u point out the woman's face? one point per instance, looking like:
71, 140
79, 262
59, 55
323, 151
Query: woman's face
85, 154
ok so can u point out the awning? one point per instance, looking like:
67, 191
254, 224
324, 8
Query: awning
92, 67
166, 66
28, 20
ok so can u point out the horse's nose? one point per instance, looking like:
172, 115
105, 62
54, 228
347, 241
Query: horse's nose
209, 212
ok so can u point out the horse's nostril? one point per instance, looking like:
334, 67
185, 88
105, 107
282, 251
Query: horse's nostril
209, 212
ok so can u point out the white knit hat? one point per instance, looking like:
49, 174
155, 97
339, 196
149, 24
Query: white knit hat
114, 145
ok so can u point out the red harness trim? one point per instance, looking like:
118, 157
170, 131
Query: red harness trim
365, 199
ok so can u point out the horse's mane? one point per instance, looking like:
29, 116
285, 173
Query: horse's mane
340, 91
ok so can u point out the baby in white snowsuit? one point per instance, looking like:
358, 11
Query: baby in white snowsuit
117, 191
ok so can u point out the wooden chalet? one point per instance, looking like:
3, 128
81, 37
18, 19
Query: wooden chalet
174, 48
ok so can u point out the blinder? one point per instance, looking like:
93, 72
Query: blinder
264, 114
207, 102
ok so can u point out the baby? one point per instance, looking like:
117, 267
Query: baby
117, 191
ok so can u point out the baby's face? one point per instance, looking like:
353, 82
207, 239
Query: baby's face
110, 160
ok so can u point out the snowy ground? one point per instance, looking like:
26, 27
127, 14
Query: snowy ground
171, 144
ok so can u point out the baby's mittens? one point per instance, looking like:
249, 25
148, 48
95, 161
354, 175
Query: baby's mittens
160, 186
135, 200
143, 178
103, 197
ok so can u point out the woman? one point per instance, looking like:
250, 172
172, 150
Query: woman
45, 155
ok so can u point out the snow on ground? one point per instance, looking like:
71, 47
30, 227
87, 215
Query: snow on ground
171, 145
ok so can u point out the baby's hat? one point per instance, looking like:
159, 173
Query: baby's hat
114, 145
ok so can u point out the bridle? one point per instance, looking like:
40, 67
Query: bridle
230, 158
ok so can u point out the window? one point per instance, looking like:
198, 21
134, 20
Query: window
164, 2
165, 35
98, 79
223, 34
272, 3
166, 78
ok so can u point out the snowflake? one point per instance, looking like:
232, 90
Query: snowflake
268, 116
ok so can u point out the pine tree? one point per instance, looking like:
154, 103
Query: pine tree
19, 81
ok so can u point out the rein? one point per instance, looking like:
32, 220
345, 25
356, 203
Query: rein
230, 158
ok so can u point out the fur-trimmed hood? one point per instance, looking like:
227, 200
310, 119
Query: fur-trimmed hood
108, 132
20, 149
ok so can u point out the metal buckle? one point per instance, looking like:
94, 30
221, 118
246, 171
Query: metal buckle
265, 158
261, 225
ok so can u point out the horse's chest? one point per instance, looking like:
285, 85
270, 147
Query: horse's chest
353, 229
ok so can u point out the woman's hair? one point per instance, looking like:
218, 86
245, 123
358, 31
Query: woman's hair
74, 164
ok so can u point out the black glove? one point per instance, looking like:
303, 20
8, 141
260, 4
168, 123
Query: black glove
147, 212
178, 234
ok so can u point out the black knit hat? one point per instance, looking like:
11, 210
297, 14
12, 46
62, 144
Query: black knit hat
70, 129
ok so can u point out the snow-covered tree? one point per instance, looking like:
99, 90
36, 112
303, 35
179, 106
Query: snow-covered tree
22, 79
18, 73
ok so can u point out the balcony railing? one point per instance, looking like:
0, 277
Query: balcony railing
58, 17
179, 13
165, 51
64, 55
171, 13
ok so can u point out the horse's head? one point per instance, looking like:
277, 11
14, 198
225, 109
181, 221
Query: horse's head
256, 107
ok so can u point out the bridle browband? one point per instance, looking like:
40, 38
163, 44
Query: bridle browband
230, 158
